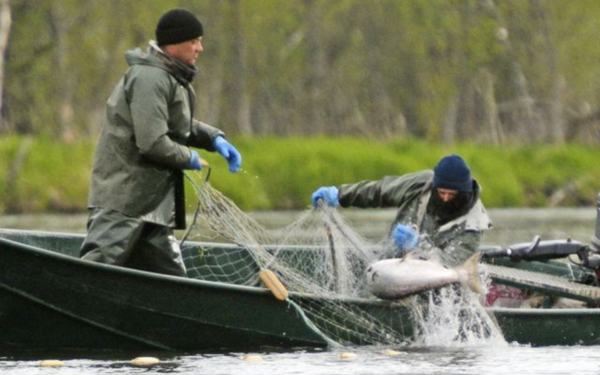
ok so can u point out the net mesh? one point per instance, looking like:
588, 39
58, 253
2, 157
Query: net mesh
319, 258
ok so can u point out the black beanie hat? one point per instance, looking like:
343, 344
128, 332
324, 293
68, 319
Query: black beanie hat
452, 172
176, 26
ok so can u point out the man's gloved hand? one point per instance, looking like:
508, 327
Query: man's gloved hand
329, 195
233, 157
194, 162
406, 238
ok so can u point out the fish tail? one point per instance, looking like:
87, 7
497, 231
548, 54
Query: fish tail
470, 266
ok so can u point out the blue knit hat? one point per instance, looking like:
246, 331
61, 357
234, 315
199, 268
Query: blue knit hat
452, 172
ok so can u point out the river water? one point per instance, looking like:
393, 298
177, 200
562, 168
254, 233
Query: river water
366, 361
511, 226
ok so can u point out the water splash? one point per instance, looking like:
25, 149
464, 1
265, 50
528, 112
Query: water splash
454, 317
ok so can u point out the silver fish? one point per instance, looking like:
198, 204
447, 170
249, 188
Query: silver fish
397, 278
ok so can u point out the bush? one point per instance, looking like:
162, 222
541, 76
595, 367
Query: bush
282, 173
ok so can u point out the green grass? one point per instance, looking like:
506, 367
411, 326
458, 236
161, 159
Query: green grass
282, 173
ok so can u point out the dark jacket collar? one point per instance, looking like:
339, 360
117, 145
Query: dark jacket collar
184, 74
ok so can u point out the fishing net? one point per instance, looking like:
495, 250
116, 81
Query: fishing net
319, 259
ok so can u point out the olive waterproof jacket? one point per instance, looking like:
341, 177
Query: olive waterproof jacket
143, 147
410, 193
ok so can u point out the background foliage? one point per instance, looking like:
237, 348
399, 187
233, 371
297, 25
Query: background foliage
318, 92
441, 70
282, 173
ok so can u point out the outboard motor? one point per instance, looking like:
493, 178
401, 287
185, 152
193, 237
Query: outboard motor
540, 250
544, 250
594, 262
596, 236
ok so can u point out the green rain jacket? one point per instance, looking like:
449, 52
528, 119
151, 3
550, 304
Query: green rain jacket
410, 193
143, 147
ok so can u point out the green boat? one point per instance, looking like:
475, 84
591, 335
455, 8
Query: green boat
52, 300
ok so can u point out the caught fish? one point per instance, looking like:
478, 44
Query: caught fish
398, 278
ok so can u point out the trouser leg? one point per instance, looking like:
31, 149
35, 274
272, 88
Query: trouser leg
111, 237
157, 251
120, 240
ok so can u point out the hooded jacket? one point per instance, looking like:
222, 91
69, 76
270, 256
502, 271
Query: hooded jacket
410, 193
143, 147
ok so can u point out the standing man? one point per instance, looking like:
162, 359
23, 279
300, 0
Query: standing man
136, 197
443, 205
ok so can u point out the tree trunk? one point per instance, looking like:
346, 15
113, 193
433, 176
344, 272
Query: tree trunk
384, 118
489, 110
557, 121
317, 69
522, 111
212, 82
240, 99
60, 26
5, 22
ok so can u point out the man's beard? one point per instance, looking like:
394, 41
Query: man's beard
448, 211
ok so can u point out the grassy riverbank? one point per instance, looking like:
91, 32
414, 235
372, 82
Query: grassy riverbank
40, 175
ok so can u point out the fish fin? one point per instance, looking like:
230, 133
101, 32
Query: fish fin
470, 266
373, 275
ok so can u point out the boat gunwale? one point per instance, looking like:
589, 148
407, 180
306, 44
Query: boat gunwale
118, 269
244, 288
543, 311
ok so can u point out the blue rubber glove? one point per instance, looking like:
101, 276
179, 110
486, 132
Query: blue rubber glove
406, 238
233, 157
328, 194
194, 162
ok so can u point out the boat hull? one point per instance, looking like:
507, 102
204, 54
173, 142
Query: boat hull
51, 300
549, 327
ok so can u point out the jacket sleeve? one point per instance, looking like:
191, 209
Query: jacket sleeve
391, 191
461, 247
203, 136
